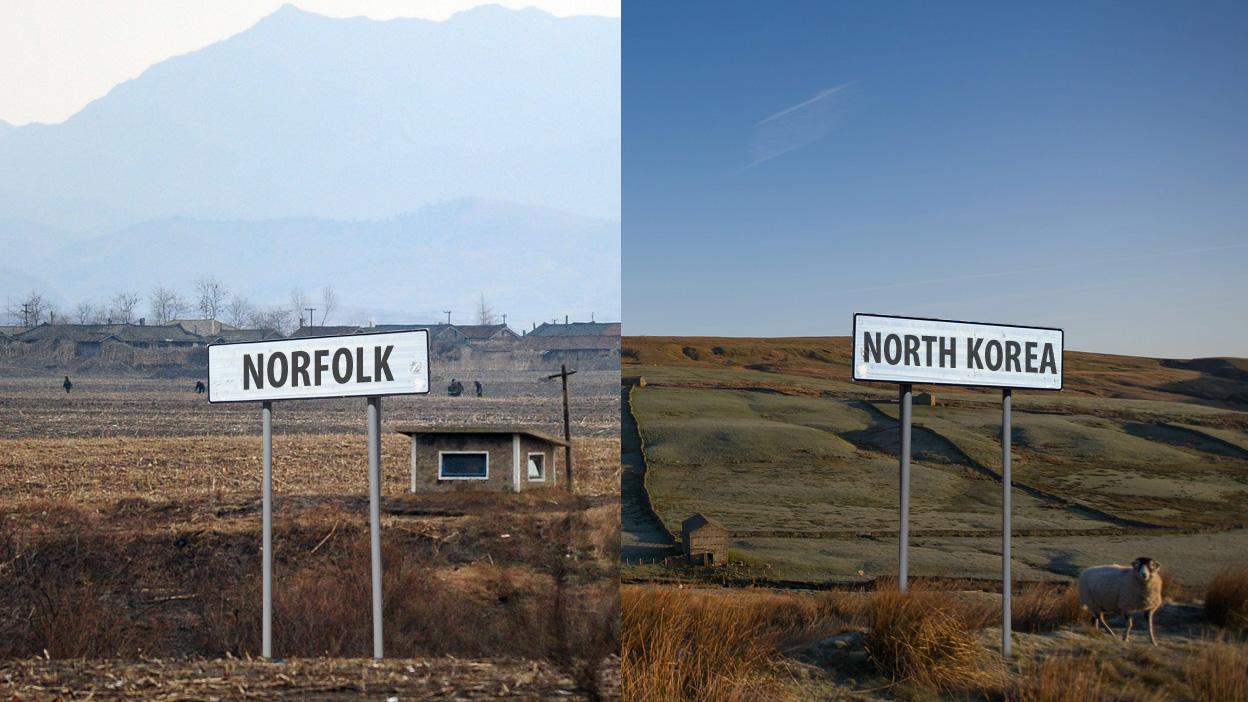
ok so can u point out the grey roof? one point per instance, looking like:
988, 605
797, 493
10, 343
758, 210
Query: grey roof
484, 331
577, 329
429, 430
203, 327
231, 336
325, 331
435, 330
698, 521
99, 332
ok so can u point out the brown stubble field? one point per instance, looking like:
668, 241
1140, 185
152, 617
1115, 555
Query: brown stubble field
130, 534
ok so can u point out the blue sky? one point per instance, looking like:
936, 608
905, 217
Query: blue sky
1082, 166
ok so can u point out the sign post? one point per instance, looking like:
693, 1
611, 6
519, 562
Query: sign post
266, 419
903, 549
356, 365
374, 514
908, 350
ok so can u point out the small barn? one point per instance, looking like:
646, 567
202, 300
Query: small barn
923, 399
705, 541
482, 458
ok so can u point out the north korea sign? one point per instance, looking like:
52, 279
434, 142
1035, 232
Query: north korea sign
937, 351
386, 363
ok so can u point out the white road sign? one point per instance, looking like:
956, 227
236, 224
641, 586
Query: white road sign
386, 363
936, 351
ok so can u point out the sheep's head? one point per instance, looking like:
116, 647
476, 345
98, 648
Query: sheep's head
1145, 568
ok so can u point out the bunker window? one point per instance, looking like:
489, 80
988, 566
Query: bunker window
537, 466
463, 465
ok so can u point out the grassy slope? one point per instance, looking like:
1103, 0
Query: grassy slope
768, 436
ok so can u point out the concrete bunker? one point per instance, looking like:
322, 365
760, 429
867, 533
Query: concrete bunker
482, 458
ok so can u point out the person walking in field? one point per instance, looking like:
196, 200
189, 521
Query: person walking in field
200, 388
479, 388
455, 389
67, 385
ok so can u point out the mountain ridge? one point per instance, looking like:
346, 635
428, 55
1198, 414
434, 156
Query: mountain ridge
271, 122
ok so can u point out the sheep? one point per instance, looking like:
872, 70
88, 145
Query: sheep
1123, 589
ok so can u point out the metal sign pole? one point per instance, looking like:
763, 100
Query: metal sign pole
266, 415
904, 535
1006, 401
374, 513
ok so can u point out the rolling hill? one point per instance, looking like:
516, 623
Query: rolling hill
1222, 381
770, 437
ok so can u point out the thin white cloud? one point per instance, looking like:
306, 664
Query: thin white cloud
796, 126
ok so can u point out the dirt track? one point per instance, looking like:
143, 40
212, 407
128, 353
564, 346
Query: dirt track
304, 679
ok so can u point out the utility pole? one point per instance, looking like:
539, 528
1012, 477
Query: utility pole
448, 315
26, 315
311, 316
567, 425
504, 319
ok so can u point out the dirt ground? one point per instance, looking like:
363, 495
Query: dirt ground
295, 679
130, 554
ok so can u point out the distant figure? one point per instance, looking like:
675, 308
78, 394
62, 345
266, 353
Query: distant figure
479, 388
455, 389
67, 385
200, 387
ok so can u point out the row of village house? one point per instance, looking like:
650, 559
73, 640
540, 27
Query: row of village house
571, 342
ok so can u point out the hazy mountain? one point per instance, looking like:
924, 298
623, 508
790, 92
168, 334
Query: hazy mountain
532, 263
22, 241
304, 115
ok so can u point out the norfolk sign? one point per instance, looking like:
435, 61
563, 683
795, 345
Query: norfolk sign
935, 351
387, 363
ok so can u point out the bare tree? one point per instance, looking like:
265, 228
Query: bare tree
212, 296
30, 310
485, 313
238, 311
123, 306
299, 304
278, 318
329, 302
165, 305
85, 312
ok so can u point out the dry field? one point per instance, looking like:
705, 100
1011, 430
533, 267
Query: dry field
130, 550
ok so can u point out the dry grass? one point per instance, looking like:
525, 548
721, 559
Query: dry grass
596, 461
125, 583
1219, 672
1061, 678
1226, 599
1046, 606
684, 645
914, 638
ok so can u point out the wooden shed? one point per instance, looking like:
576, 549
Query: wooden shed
924, 399
705, 541
475, 458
